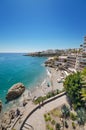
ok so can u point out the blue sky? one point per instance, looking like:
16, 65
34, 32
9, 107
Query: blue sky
33, 25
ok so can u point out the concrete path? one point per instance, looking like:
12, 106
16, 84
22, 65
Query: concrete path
37, 118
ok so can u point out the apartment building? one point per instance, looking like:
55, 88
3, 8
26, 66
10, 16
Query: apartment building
78, 61
71, 60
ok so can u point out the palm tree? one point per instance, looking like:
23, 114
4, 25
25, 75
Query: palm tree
83, 94
83, 90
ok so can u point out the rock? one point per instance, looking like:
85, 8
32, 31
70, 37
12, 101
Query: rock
15, 91
5, 121
0, 105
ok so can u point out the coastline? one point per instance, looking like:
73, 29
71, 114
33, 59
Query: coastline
30, 89
16, 68
41, 90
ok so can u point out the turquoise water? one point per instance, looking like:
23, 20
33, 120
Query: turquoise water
18, 68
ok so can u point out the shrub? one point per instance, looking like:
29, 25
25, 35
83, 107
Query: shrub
66, 124
57, 91
65, 111
47, 117
53, 122
73, 116
50, 94
44, 98
49, 114
49, 127
38, 100
58, 126
73, 125
81, 115
56, 112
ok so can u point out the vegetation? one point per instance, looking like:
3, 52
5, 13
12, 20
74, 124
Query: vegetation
53, 122
83, 94
81, 114
73, 86
49, 95
73, 116
49, 127
83, 90
47, 117
73, 125
67, 120
65, 111
56, 112
58, 126
40, 99
66, 124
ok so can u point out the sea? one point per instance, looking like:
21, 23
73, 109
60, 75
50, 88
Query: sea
15, 67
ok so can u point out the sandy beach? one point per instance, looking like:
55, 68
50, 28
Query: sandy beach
43, 88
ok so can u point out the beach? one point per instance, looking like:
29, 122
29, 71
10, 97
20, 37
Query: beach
43, 88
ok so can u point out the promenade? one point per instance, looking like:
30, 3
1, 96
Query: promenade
36, 119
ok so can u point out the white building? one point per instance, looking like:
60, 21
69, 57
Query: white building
78, 61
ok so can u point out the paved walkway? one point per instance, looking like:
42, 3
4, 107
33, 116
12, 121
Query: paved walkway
37, 118
27, 109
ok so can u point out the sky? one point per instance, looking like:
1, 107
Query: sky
35, 25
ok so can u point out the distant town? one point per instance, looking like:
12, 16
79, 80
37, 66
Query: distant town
70, 58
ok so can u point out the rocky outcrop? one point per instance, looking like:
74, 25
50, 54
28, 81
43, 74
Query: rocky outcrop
49, 63
0, 105
6, 118
15, 91
46, 53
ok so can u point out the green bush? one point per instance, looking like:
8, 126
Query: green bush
73, 125
73, 85
65, 111
53, 122
47, 117
56, 112
81, 116
66, 124
58, 126
50, 94
44, 98
73, 116
49, 127
57, 91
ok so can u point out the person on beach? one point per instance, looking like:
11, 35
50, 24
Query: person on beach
17, 112
48, 84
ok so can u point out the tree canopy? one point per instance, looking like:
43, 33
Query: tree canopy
73, 85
